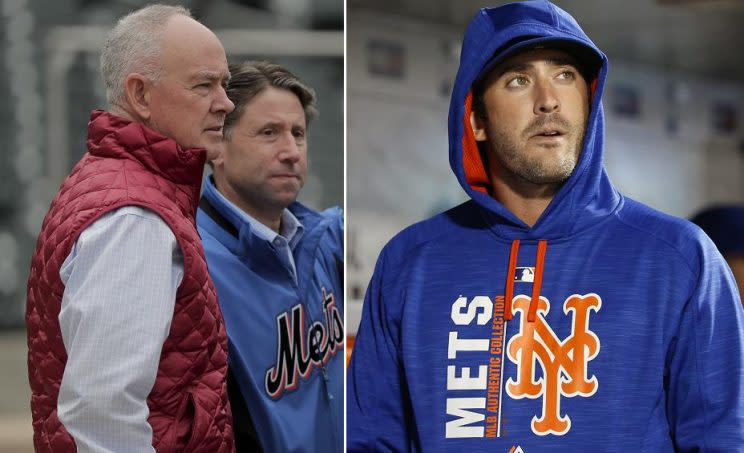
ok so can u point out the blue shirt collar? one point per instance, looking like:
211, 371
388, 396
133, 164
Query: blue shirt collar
290, 227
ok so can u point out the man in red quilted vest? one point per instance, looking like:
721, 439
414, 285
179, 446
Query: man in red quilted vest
127, 347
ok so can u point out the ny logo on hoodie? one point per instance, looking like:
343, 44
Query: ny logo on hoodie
564, 363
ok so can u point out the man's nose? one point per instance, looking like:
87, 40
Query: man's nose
291, 148
546, 100
222, 103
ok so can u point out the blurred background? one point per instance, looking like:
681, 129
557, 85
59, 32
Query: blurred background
674, 108
49, 83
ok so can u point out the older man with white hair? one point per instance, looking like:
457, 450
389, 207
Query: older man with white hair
127, 347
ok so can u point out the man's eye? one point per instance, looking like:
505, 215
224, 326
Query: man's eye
299, 133
517, 81
567, 75
268, 132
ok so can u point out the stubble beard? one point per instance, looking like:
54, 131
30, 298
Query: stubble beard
535, 168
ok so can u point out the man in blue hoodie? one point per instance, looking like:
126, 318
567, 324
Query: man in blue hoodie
549, 313
277, 267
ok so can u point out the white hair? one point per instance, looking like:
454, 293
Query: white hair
133, 45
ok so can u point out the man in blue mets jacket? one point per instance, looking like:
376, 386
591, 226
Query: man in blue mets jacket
277, 266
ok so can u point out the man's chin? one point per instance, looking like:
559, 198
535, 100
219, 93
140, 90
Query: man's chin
213, 147
541, 175
286, 198
286, 186
212, 152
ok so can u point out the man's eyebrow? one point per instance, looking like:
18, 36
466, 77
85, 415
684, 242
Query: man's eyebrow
268, 124
514, 67
212, 75
522, 67
279, 125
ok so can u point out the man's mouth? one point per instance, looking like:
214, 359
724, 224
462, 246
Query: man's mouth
550, 132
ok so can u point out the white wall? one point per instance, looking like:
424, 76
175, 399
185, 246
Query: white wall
681, 172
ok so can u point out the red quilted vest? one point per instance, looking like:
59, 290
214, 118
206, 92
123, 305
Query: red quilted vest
129, 164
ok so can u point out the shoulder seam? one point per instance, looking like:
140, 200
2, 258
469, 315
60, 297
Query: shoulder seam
660, 239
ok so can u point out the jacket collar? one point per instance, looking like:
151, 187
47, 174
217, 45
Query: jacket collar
112, 136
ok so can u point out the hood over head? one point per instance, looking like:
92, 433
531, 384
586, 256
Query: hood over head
493, 35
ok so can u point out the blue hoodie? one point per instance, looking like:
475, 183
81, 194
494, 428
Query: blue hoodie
286, 339
605, 327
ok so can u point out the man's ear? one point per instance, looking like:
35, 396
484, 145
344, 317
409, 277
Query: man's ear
479, 127
137, 92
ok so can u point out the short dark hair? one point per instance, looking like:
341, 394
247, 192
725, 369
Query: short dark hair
250, 78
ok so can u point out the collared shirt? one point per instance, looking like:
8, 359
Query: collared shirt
121, 279
284, 242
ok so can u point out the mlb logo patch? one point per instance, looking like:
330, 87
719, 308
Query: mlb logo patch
524, 274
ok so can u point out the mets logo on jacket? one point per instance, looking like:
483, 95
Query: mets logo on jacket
301, 350
547, 367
